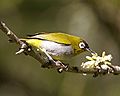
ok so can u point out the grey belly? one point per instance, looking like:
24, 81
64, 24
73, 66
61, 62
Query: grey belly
57, 50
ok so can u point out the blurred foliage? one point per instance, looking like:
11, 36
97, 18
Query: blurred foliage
97, 21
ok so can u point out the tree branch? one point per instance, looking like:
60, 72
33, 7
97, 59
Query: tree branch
46, 62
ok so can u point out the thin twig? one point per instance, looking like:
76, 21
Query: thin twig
44, 60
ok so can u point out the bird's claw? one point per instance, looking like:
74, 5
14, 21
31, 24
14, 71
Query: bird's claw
61, 66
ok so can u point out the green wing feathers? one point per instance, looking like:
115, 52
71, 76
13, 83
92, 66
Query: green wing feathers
61, 38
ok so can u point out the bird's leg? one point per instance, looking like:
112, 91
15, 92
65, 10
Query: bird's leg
47, 57
60, 66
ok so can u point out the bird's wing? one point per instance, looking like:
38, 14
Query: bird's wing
57, 37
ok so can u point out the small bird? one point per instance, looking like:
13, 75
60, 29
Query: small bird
60, 46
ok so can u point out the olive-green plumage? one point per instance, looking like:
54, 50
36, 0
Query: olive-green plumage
58, 45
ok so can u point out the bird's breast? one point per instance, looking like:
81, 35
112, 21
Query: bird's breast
56, 50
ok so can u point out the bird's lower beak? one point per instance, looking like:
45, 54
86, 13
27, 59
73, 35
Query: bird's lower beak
90, 50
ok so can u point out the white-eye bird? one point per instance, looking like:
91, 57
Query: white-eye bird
59, 46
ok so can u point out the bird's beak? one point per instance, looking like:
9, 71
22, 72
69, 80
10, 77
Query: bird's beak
90, 50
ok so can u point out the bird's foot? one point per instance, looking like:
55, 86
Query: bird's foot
61, 66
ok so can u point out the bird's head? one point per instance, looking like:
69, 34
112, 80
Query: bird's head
85, 47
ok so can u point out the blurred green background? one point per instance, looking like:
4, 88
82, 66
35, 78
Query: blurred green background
97, 21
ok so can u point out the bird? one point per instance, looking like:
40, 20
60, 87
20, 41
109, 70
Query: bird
58, 45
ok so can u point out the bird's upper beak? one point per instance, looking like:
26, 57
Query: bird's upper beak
90, 50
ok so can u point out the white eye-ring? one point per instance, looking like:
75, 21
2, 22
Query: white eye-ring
82, 45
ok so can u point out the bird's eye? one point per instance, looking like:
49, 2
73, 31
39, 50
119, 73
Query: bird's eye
82, 45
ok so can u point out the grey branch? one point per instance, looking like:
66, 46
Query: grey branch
46, 62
